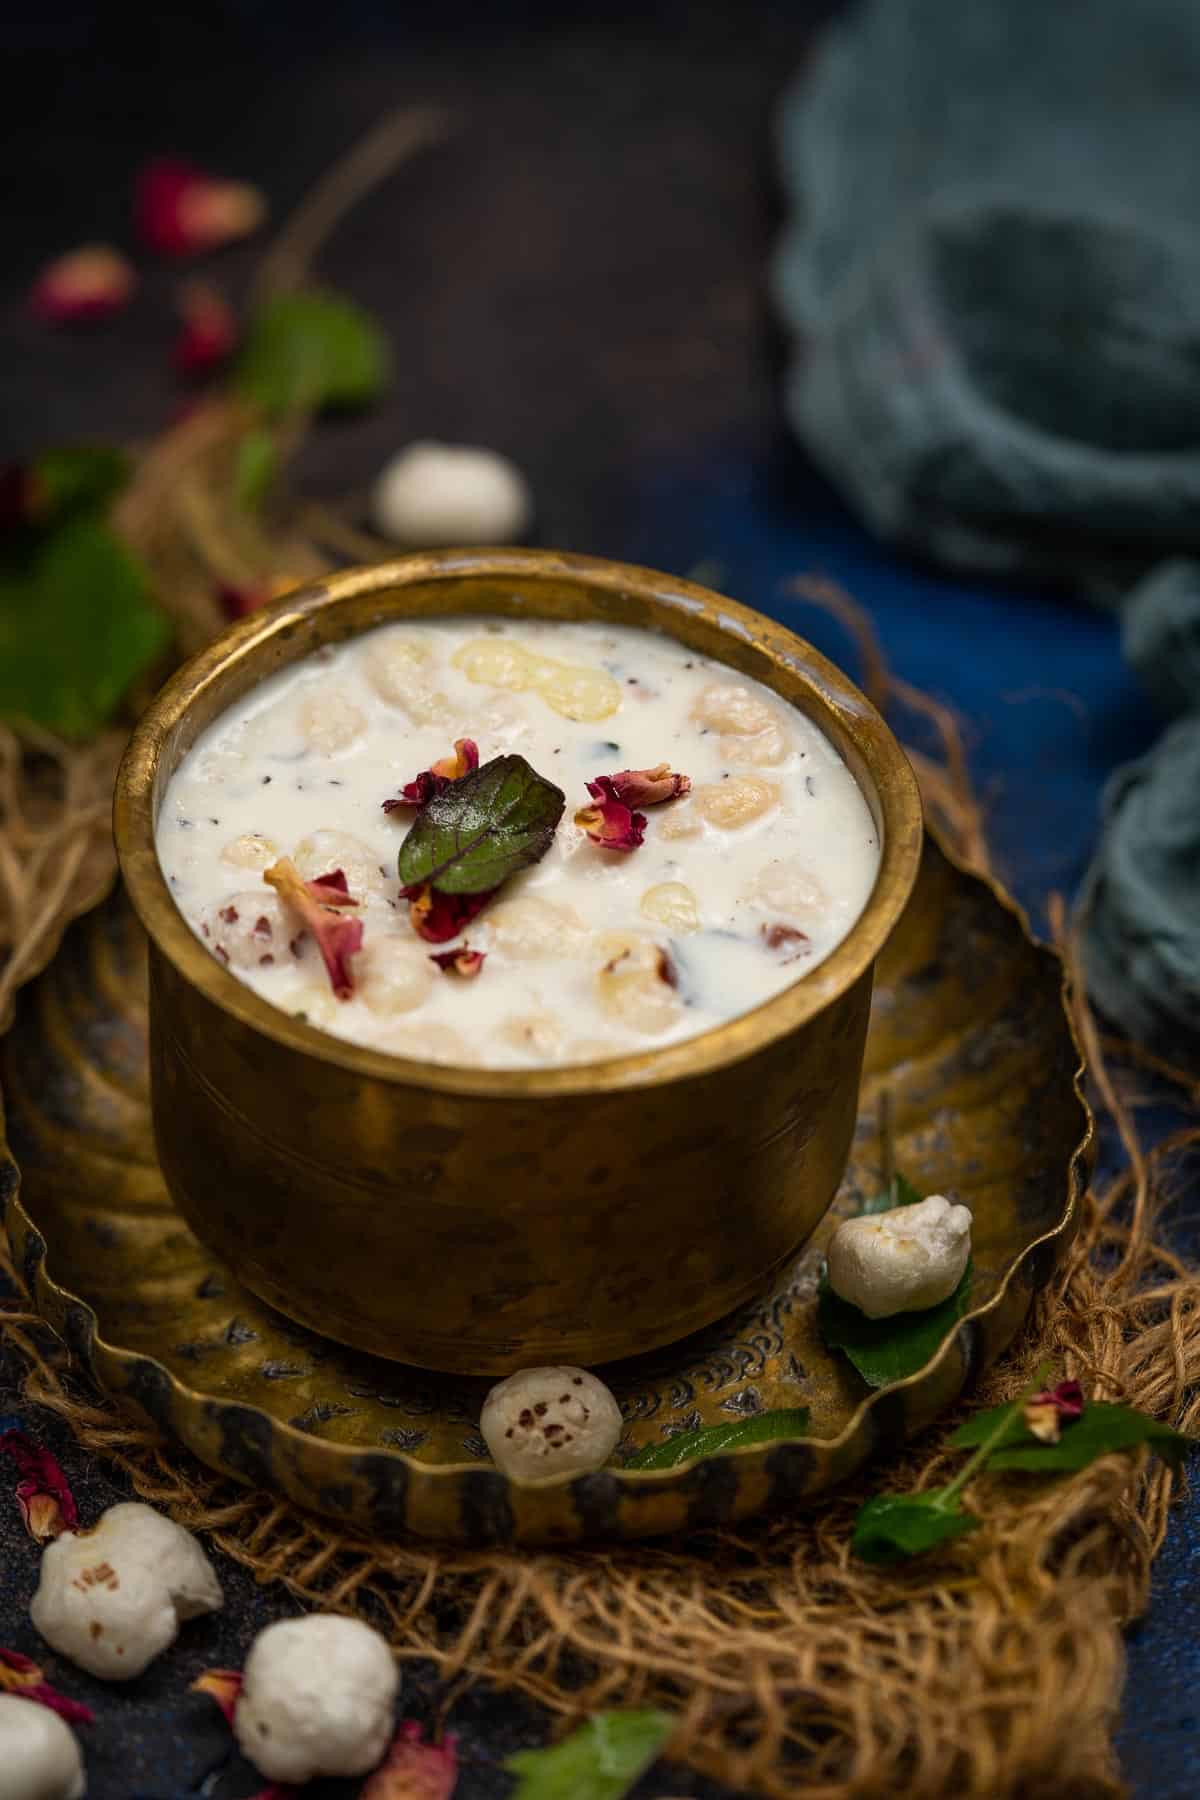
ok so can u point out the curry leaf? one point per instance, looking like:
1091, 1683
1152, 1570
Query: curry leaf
887, 1350
305, 352
482, 829
899, 1192
893, 1526
601, 1761
759, 1428
1102, 1428
77, 626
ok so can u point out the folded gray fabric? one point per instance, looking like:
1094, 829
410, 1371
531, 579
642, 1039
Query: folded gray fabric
993, 279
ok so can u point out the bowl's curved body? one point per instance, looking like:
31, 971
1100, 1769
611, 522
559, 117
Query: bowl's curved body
485, 1220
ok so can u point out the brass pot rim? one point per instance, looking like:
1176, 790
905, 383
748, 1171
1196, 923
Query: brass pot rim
835, 696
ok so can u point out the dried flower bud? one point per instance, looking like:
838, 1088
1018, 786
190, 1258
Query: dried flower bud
436, 779
84, 285
181, 211
413, 1770
1046, 1413
792, 943
609, 822
317, 904
465, 962
209, 329
647, 787
222, 1685
438, 917
43, 1492
239, 602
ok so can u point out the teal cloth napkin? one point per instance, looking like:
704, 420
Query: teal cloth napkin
992, 276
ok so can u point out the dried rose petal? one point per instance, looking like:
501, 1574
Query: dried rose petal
464, 961
413, 1770
209, 329
18, 1675
82, 286
222, 1685
422, 788
646, 787
786, 937
43, 1492
1046, 1413
609, 822
317, 904
439, 917
181, 211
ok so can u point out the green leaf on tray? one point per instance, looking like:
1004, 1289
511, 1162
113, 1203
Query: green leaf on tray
77, 626
758, 1428
1102, 1428
255, 467
310, 351
899, 1192
600, 1761
78, 477
482, 829
887, 1350
894, 1526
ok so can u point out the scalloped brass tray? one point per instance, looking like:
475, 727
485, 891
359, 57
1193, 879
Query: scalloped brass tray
969, 1034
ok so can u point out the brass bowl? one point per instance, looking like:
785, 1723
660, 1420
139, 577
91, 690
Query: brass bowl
476, 1220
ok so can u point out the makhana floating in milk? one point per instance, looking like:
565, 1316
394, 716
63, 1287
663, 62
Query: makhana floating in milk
734, 889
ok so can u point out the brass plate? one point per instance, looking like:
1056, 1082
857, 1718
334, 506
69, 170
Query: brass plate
970, 1035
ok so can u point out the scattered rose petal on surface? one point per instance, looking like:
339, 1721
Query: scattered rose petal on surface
1046, 1413
646, 787
179, 210
438, 917
209, 329
414, 1770
19, 1675
435, 780
465, 961
43, 1492
221, 1685
786, 937
608, 821
82, 286
318, 905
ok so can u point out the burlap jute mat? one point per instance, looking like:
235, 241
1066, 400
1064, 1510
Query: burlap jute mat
993, 1670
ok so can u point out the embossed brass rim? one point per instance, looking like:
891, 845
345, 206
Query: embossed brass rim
528, 584
436, 1495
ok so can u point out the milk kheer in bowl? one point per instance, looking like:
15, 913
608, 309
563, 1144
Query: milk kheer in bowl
512, 921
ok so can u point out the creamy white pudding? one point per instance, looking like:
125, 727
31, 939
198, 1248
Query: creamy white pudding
739, 886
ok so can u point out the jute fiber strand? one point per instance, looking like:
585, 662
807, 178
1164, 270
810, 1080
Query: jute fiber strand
990, 1670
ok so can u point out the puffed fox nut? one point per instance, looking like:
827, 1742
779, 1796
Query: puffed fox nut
905, 1260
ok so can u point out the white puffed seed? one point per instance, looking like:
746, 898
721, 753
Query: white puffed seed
632, 983
247, 930
392, 975
112, 1599
736, 802
437, 495
497, 662
429, 1041
324, 851
578, 693
542, 1422
759, 749
786, 885
530, 927
317, 1698
901, 1261
250, 851
673, 904
680, 820
40, 1758
731, 707
330, 720
391, 663
538, 1035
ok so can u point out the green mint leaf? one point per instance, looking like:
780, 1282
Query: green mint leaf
77, 626
887, 1350
311, 351
1102, 1428
900, 1192
758, 1428
601, 1761
891, 1527
255, 467
482, 829
78, 477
